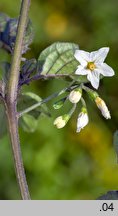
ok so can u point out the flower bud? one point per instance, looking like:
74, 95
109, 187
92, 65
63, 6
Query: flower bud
82, 120
75, 95
61, 121
59, 104
92, 94
103, 108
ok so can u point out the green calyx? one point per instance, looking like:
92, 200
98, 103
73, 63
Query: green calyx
78, 90
59, 104
66, 117
92, 94
84, 110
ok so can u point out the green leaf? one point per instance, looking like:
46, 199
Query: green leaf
3, 124
4, 76
30, 98
58, 60
5, 69
29, 123
33, 96
26, 100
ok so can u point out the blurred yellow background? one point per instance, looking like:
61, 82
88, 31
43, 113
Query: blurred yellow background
61, 164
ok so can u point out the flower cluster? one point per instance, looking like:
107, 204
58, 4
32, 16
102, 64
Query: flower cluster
91, 64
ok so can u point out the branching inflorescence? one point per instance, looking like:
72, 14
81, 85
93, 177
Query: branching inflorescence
59, 60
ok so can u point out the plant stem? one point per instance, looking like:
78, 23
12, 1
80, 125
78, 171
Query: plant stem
34, 106
83, 102
14, 136
16, 60
72, 110
11, 98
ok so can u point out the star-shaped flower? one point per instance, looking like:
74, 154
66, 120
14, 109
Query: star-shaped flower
92, 64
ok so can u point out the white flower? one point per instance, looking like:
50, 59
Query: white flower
61, 121
102, 106
75, 95
92, 64
82, 120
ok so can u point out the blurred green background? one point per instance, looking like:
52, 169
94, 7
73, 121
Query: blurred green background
61, 164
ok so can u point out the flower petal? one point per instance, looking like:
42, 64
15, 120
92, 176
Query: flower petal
93, 77
103, 107
105, 70
81, 70
82, 121
100, 55
82, 57
93, 56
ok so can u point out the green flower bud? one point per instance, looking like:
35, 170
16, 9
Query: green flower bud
59, 104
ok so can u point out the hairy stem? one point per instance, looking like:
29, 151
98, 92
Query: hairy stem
11, 98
